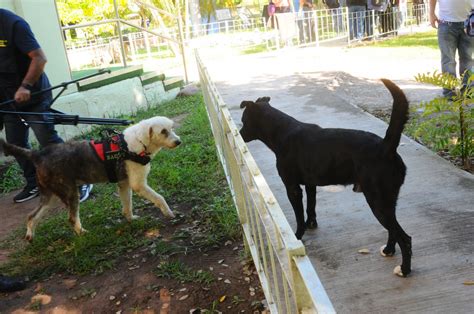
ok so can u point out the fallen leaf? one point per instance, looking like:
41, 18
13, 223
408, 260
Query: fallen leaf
70, 283
152, 233
227, 281
220, 261
42, 298
184, 297
222, 299
364, 251
468, 283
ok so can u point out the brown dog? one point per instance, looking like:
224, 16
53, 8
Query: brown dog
309, 155
60, 168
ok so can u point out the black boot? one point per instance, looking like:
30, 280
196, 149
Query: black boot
9, 284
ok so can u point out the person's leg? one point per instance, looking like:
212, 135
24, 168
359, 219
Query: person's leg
45, 133
352, 23
447, 40
465, 51
360, 13
369, 25
16, 133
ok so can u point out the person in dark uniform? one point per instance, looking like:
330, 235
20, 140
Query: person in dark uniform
22, 63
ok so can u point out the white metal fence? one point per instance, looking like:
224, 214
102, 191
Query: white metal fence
288, 278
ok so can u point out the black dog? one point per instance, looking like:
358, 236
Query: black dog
309, 155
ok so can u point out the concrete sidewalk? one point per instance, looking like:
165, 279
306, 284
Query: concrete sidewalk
436, 204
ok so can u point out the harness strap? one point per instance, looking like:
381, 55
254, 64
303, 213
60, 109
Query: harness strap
109, 163
112, 149
141, 158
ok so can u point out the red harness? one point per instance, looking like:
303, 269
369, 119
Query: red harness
112, 149
99, 148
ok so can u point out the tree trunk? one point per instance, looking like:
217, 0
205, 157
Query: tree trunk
195, 16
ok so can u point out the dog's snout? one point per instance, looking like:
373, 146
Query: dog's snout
177, 142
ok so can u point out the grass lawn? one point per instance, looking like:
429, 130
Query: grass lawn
190, 178
425, 39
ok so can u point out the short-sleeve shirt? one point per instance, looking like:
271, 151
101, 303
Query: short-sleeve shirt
454, 10
18, 40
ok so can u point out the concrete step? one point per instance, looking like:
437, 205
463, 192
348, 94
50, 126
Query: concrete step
152, 77
173, 82
106, 79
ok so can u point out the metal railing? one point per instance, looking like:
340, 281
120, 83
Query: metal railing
289, 280
178, 40
295, 29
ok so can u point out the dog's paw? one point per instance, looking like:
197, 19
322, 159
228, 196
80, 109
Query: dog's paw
399, 272
132, 217
386, 253
311, 224
299, 234
29, 237
170, 214
80, 231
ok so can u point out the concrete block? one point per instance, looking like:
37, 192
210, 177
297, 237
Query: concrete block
118, 98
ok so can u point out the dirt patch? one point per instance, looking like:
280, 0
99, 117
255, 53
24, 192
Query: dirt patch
133, 286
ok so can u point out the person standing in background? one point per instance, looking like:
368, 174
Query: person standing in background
418, 9
282, 6
451, 37
357, 10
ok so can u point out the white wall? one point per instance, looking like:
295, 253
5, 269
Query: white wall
7, 4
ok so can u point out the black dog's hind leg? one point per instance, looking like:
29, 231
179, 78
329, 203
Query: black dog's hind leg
385, 214
404, 240
295, 195
311, 222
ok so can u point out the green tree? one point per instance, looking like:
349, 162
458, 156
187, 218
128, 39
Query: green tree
72, 12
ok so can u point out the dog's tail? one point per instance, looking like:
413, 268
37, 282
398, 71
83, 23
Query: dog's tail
10, 149
398, 118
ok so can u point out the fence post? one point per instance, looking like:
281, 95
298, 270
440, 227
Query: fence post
349, 26
316, 28
301, 295
372, 17
122, 48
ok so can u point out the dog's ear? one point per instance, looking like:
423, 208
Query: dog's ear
246, 103
265, 99
150, 132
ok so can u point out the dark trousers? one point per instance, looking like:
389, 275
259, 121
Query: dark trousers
17, 133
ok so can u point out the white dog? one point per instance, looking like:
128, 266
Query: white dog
60, 168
